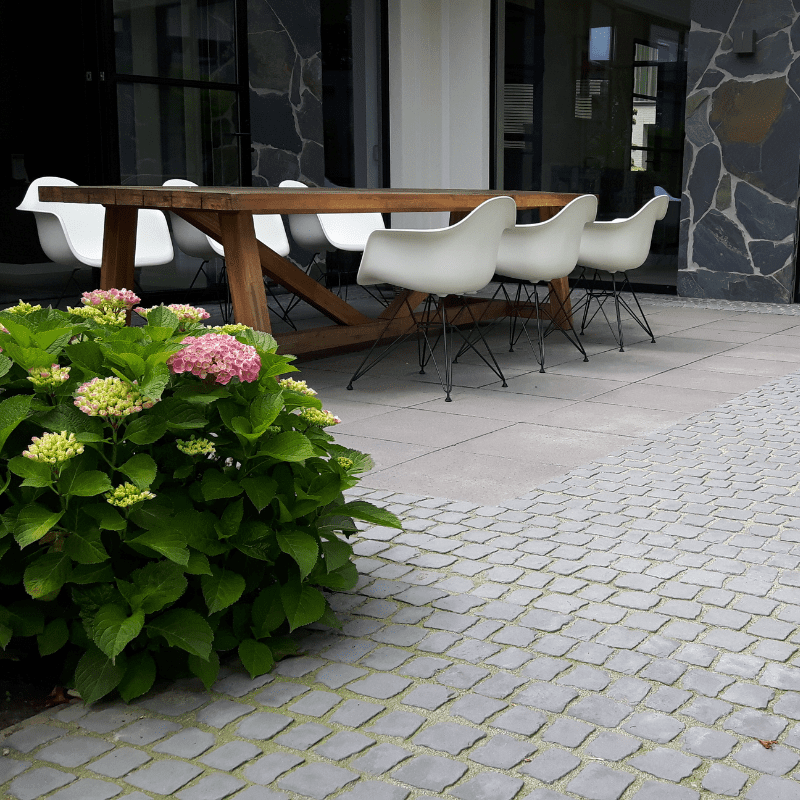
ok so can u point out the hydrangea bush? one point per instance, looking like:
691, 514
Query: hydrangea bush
167, 498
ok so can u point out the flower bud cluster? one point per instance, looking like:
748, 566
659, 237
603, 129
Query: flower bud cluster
219, 356
100, 314
301, 387
110, 397
196, 447
111, 299
47, 378
127, 495
232, 328
22, 308
313, 416
344, 463
185, 313
53, 448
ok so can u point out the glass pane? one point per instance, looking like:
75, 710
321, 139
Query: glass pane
186, 40
177, 132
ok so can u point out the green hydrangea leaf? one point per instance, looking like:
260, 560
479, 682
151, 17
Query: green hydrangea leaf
261, 491
90, 483
66, 417
83, 574
267, 612
287, 446
198, 564
221, 589
207, 671
216, 486
154, 586
12, 412
301, 547
256, 657
35, 473
163, 317
141, 469
185, 629
360, 509
47, 574
5, 635
303, 604
169, 543
139, 676
264, 410
231, 519
337, 553
342, 579
53, 637
113, 629
145, 429
96, 675
107, 518
85, 546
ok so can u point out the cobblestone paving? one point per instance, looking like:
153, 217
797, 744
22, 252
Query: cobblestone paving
628, 631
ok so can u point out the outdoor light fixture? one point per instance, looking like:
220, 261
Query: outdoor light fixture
744, 41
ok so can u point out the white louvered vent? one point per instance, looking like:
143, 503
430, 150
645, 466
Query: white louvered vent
517, 111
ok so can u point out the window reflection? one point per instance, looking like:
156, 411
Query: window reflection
174, 39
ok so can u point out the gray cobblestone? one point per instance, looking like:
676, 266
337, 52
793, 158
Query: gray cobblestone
612, 746
317, 780
89, 789
434, 773
271, 766
304, 736
598, 782
163, 777
397, 723
189, 743
38, 782
775, 761
73, 751
230, 755
655, 727
551, 765
120, 762
666, 763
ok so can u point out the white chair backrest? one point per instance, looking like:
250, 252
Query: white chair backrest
622, 244
192, 241
350, 231
189, 239
270, 231
454, 260
305, 228
69, 233
546, 250
72, 233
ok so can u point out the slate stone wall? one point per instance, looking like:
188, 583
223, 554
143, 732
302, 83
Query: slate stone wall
742, 153
284, 53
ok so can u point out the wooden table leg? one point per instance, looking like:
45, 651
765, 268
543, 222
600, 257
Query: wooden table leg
119, 247
244, 269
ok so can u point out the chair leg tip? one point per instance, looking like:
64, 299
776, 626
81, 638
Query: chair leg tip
505, 385
349, 387
586, 358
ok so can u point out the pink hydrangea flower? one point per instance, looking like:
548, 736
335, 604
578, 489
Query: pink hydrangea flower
112, 298
217, 355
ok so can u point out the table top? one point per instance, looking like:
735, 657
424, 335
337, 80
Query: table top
268, 200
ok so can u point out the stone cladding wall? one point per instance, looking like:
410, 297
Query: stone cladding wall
742, 153
284, 51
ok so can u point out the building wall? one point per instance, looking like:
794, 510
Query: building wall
742, 153
439, 96
285, 63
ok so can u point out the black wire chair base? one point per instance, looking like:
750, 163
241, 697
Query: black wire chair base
434, 307
543, 327
600, 296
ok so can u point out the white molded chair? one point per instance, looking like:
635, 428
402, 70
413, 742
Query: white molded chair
192, 241
440, 262
618, 247
544, 251
320, 233
72, 233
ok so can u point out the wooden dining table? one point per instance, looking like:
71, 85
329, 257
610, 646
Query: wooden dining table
226, 215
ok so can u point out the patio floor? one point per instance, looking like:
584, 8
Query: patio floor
594, 596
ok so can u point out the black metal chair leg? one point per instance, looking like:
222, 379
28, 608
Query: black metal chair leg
616, 307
